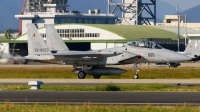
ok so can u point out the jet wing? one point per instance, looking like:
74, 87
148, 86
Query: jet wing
84, 53
38, 57
128, 55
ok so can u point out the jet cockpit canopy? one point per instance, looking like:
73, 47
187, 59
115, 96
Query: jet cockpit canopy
145, 44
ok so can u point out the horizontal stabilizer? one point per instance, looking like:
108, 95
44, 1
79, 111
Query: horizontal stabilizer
84, 53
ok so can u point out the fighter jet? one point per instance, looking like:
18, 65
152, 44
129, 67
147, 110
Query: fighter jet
192, 51
94, 62
36, 46
189, 51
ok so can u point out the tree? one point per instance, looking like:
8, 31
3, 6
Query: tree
8, 33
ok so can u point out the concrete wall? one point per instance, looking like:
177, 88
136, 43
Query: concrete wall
24, 23
104, 35
174, 19
41, 21
194, 26
189, 25
96, 46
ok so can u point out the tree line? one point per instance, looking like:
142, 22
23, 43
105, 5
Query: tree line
8, 33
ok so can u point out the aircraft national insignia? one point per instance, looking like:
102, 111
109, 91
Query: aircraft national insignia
33, 35
139, 57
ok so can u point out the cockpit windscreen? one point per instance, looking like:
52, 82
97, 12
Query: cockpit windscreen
145, 44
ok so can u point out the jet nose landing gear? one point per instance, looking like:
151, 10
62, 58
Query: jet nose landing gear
136, 68
81, 74
136, 76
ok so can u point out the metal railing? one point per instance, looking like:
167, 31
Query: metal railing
64, 13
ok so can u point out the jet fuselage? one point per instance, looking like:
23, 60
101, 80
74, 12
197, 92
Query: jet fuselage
127, 55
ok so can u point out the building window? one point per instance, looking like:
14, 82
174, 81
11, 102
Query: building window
77, 35
76, 30
67, 30
95, 35
82, 30
81, 35
43, 35
86, 35
71, 35
71, 30
66, 33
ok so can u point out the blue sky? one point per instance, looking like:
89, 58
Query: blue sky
183, 4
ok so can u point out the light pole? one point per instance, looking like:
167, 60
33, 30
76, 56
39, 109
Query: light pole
69, 31
186, 31
178, 28
69, 23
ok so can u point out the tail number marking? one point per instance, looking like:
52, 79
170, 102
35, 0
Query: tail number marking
188, 54
41, 49
151, 55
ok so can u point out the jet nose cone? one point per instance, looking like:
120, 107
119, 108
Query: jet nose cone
177, 57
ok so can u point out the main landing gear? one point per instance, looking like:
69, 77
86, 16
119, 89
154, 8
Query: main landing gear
136, 68
96, 76
82, 72
81, 75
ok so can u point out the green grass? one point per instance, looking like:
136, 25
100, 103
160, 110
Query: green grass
108, 87
9, 107
3, 39
135, 32
145, 73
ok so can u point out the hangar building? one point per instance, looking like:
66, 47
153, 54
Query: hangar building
42, 12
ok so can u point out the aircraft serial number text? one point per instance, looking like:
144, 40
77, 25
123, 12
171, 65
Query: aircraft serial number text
188, 54
41, 49
151, 55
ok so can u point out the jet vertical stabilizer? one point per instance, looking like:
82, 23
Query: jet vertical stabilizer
197, 50
36, 45
190, 49
54, 41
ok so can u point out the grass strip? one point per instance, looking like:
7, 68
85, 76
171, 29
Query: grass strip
145, 73
9, 107
108, 87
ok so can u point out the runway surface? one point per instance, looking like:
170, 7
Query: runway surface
124, 98
180, 82
39, 65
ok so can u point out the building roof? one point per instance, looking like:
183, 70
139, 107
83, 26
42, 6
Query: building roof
192, 36
135, 32
128, 32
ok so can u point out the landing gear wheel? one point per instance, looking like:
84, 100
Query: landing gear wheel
136, 76
81, 74
96, 76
